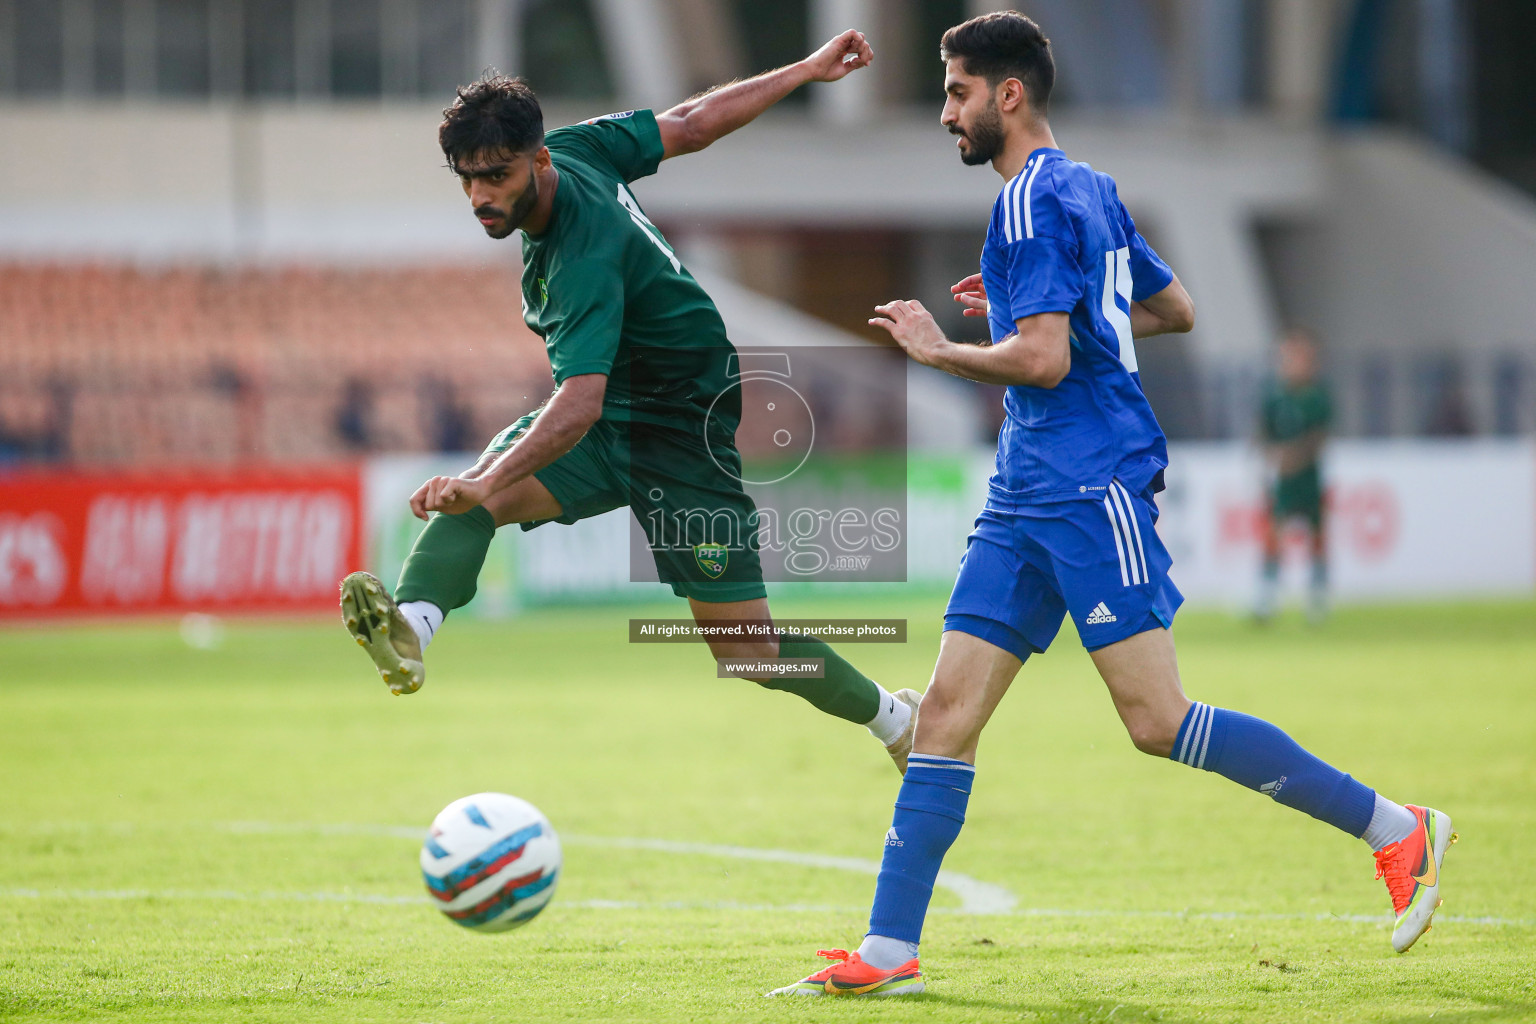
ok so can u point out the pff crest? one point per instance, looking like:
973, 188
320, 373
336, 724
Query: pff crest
712, 559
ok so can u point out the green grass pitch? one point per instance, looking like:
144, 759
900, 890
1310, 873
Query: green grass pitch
227, 835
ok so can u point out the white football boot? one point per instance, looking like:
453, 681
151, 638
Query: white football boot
375, 622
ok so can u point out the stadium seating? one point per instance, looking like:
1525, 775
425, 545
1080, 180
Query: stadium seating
121, 364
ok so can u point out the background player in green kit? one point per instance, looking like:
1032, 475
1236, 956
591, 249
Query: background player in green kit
639, 356
1293, 426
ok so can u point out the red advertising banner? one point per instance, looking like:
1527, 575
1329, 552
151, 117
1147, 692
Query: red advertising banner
239, 540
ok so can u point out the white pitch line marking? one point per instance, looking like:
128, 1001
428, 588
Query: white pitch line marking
976, 897
232, 896
210, 895
226, 895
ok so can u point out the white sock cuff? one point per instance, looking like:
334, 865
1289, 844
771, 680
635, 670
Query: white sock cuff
424, 617
1389, 823
885, 953
891, 720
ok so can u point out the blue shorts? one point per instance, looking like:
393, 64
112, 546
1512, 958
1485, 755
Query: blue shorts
1025, 568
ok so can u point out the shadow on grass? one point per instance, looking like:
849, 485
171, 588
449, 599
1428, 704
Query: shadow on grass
1094, 1011
1079, 1011
1482, 1015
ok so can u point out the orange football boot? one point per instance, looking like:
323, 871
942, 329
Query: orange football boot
851, 976
1411, 867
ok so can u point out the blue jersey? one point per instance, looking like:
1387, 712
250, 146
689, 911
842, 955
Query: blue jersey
1061, 241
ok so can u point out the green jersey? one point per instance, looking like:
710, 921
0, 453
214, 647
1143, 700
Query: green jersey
1293, 412
1289, 414
608, 295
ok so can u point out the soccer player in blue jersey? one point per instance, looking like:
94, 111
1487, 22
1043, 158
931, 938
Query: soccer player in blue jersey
1068, 285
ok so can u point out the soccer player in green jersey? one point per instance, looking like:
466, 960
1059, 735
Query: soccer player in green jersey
644, 413
1293, 426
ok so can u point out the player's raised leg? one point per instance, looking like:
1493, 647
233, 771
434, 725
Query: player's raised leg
968, 682
702, 529
376, 623
841, 691
1410, 842
439, 575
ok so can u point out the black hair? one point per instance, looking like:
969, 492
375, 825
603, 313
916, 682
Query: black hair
1004, 45
493, 114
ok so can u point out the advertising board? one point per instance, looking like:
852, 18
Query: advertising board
1410, 520
247, 540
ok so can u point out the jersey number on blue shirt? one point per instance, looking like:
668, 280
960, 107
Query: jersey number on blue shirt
1117, 281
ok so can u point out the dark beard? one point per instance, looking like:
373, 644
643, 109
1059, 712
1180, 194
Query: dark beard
521, 206
986, 137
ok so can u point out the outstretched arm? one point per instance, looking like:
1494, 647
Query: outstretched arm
1039, 354
694, 124
1170, 311
571, 411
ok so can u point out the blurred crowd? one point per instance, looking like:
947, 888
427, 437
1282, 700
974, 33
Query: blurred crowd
117, 365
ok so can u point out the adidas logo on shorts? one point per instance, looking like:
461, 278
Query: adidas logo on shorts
1099, 616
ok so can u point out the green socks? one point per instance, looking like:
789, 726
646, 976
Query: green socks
445, 561
844, 692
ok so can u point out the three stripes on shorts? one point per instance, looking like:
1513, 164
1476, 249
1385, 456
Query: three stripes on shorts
1127, 532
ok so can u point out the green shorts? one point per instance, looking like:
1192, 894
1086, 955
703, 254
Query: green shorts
686, 494
1299, 496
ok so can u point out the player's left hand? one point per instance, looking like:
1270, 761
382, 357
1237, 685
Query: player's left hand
972, 294
452, 494
847, 53
913, 328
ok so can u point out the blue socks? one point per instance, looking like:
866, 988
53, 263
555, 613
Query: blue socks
931, 808
929, 812
1253, 753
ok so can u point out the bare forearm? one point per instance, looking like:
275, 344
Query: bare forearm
570, 413
1170, 311
713, 115
546, 441
555, 430
1145, 323
1002, 363
1038, 355
973, 362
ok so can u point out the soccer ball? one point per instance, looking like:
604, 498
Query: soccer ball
490, 861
